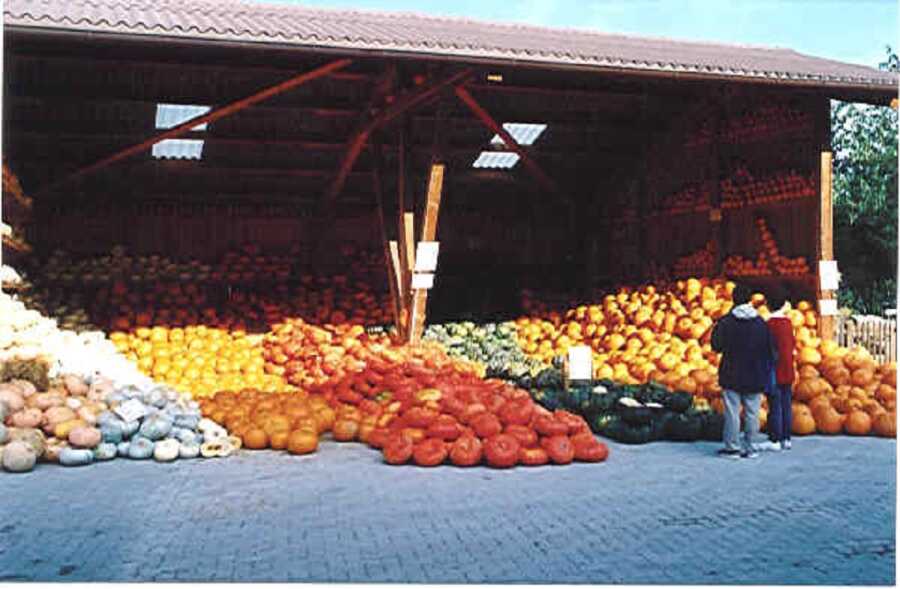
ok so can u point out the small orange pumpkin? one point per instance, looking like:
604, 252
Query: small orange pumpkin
256, 439
803, 423
345, 430
279, 440
861, 377
302, 442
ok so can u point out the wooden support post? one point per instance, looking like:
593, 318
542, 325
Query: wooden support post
406, 261
212, 116
429, 232
388, 257
826, 240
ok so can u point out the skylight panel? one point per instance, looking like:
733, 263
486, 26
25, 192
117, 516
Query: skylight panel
523, 133
172, 115
182, 149
496, 160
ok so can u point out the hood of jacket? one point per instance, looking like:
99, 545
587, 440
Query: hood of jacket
744, 312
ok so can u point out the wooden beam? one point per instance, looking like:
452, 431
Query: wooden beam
826, 239
358, 142
407, 260
211, 116
511, 143
429, 232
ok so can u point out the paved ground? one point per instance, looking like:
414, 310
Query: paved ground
664, 513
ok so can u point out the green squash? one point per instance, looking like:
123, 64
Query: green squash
685, 427
678, 402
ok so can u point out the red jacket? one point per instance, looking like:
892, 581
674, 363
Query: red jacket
783, 334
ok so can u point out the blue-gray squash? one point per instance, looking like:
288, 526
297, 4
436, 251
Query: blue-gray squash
76, 457
140, 448
105, 451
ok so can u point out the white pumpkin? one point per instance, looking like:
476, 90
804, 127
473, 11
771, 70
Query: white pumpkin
18, 457
27, 418
32, 437
166, 450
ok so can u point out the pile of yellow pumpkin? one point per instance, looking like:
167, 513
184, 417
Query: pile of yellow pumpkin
199, 360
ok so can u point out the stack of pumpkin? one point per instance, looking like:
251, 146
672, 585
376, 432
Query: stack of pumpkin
198, 359
308, 355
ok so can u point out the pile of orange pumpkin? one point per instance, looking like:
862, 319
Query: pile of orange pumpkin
663, 335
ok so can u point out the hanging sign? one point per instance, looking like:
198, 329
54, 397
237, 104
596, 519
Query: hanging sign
423, 281
426, 256
581, 362
829, 277
828, 307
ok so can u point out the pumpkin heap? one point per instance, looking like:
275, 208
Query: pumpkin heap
75, 422
198, 359
663, 335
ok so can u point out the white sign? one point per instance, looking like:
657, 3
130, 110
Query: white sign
426, 256
422, 281
131, 410
581, 363
828, 307
829, 276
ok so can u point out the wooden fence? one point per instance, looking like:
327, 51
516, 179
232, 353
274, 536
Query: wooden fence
876, 334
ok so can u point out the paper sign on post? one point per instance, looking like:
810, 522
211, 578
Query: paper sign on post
422, 281
828, 307
829, 277
581, 363
130, 410
426, 256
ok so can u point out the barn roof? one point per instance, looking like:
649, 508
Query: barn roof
428, 36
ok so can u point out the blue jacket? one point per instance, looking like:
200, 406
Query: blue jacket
747, 348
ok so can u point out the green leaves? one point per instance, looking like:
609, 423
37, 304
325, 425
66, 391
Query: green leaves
864, 141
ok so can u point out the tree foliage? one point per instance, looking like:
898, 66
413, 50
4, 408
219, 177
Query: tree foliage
864, 141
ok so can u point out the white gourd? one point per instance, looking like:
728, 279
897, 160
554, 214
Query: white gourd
76, 457
189, 450
166, 450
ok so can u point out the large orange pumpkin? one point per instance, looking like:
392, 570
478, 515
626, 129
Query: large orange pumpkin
829, 421
808, 372
885, 425
858, 358
889, 374
809, 355
302, 442
885, 393
808, 390
837, 376
803, 423
858, 423
818, 404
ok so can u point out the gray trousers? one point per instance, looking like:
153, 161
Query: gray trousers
733, 403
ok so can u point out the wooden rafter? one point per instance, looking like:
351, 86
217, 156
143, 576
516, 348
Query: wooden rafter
211, 116
358, 142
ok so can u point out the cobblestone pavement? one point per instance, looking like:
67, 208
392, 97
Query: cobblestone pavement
822, 513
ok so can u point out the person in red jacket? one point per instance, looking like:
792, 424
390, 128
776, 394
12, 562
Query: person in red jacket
780, 417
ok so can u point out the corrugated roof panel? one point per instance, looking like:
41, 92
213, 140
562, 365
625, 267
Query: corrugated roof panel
496, 160
523, 133
172, 115
179, 149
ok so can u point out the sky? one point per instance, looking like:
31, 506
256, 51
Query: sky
856, 31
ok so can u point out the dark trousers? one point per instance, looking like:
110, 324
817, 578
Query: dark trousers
780, 416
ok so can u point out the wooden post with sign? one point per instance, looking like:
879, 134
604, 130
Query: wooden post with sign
406, 260
429, 231
826, 243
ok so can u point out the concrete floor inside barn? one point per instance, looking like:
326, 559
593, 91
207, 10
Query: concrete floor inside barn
822, 513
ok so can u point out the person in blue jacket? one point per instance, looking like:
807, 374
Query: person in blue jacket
748, 353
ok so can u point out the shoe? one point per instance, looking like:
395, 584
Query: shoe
786, 445
749, 454
769, 447
728, 453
